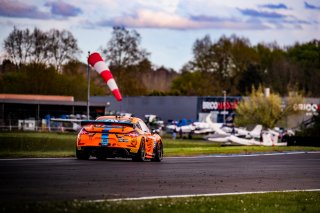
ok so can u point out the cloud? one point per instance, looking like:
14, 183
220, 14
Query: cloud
261, 14
151, 19
300, 22
148, 19
274, 6
204, 18
20, 10
310, 6
63, 9
286, 20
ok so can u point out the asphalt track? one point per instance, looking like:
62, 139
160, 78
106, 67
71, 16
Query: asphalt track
68, 178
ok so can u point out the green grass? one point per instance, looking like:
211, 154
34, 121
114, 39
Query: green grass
180, 147
269, 202
35, 144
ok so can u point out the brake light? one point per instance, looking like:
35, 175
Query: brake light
84, 132
133, 134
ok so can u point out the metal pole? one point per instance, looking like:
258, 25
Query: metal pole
38, 118
224, 106
88, 98
106, 110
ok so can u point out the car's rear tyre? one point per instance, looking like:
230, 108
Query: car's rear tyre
158, 153
141, 155
82, 154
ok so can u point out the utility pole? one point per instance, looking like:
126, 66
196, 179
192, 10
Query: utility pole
88, 98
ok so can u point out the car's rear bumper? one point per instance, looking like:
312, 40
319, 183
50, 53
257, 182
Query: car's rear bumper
108, 151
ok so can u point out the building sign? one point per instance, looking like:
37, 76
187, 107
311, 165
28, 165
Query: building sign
208, 104
221, 109
310, 109
214, 105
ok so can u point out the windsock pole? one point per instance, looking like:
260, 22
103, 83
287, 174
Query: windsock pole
96, 61
88, 97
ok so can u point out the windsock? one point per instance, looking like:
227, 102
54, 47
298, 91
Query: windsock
96, 61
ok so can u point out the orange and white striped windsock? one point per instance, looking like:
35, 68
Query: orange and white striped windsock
96, 61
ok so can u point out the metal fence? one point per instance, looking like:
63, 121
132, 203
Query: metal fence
38, 125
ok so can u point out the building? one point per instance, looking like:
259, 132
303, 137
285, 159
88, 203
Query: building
17, 108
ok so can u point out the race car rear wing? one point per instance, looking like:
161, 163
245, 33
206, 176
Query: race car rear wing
104, 123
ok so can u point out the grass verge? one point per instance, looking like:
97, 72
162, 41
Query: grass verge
201, 147
269, 202
35, 144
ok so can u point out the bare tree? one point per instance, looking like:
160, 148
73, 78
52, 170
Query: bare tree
40, 47
18, 45
123, 48
204, 55
63, 47
54, 47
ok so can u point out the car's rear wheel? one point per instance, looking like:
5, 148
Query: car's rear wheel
141, 155
82, 154
158, 153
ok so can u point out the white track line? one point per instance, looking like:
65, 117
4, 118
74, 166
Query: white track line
199, 156
201, 195
249, 155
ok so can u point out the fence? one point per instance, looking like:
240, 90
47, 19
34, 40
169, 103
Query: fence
38, 125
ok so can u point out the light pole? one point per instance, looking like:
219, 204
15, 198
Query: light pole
88, 98
224, 106
106, 110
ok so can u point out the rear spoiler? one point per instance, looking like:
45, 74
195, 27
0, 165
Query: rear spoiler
107, 122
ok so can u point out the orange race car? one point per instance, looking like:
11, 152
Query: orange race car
118, 136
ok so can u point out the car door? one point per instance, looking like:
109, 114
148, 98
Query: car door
150, 140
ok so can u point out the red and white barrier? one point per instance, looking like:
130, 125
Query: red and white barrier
96, 61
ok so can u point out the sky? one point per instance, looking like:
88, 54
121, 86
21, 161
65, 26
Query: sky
168, 28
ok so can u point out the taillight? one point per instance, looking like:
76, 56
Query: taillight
133, 134
83, 132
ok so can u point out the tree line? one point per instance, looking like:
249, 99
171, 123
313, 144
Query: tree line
234, 65
52, 48
40, 62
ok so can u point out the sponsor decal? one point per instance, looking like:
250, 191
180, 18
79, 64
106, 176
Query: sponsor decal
122, 140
